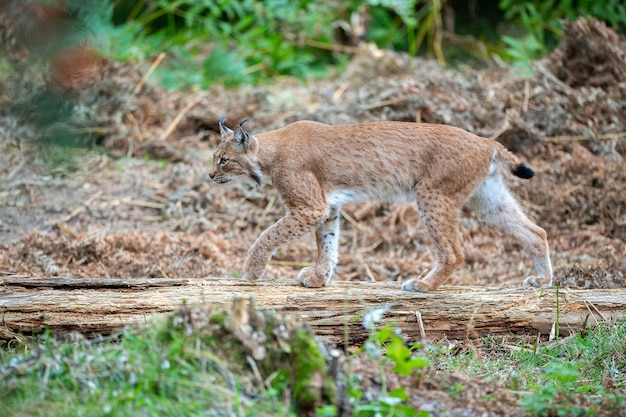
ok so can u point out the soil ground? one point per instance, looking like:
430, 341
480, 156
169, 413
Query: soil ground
142, 205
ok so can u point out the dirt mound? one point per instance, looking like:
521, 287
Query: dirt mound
592, 55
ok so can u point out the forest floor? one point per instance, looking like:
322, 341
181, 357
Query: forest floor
142, 204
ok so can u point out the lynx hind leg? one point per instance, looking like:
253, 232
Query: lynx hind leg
494, 204
440, 216
327, 236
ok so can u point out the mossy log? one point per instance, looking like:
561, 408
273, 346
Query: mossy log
103, 305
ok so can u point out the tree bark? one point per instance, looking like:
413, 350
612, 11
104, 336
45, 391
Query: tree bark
334, 312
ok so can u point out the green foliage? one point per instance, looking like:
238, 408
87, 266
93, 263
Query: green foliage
541, 22
523, 51
555, 398
582, 374
161, 371
404, 359
191, 364
235, 42
388, 404
407, 25
245, 41
406, 362
326, 411
308, 365
229, 41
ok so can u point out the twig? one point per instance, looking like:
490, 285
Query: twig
147, 204
291, 263
576, 138
96, 129
64, 228
569, 191
339, 92
82, 206
269, 205
526, 96
255, 370
333, 47
503, 128
471, 331
383, 103
546, 73
179, 117
420, 324
368, 271
371, 247
135, 123
152, 218
352, 221
15, 170
593, 316
154, 65
598, 311
438, 33
133, 202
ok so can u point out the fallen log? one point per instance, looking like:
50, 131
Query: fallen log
334, 312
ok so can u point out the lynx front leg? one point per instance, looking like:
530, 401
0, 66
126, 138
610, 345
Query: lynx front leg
285, 230
306, 210
327, 235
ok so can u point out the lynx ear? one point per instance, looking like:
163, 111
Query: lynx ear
244, 140
224, 130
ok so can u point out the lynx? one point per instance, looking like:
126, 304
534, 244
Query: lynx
317, 168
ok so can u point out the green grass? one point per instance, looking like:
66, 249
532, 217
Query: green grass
582, 374
191, 366
160, 371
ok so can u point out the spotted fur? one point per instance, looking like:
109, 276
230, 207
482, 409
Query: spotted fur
317, 168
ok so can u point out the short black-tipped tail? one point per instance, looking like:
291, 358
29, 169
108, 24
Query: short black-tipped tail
523, 171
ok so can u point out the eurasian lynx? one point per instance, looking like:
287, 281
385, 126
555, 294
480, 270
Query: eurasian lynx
316, 168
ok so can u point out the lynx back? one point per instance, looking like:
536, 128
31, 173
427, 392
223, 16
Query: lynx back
317, 168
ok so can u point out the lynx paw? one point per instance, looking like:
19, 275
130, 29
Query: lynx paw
417, 284
252, 275
537, 282
310, 279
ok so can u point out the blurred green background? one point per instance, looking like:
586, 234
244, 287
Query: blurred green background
236, 42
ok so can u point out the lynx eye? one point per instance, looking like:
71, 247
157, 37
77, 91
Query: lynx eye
222, 161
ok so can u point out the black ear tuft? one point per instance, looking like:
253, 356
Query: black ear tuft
241, 137
523, 171
223, 128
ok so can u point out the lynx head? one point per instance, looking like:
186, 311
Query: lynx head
236, 155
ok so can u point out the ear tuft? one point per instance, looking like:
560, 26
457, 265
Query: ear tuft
241, 137
224, 130
244, 140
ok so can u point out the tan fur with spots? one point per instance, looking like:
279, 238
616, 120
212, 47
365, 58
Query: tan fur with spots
316, 168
